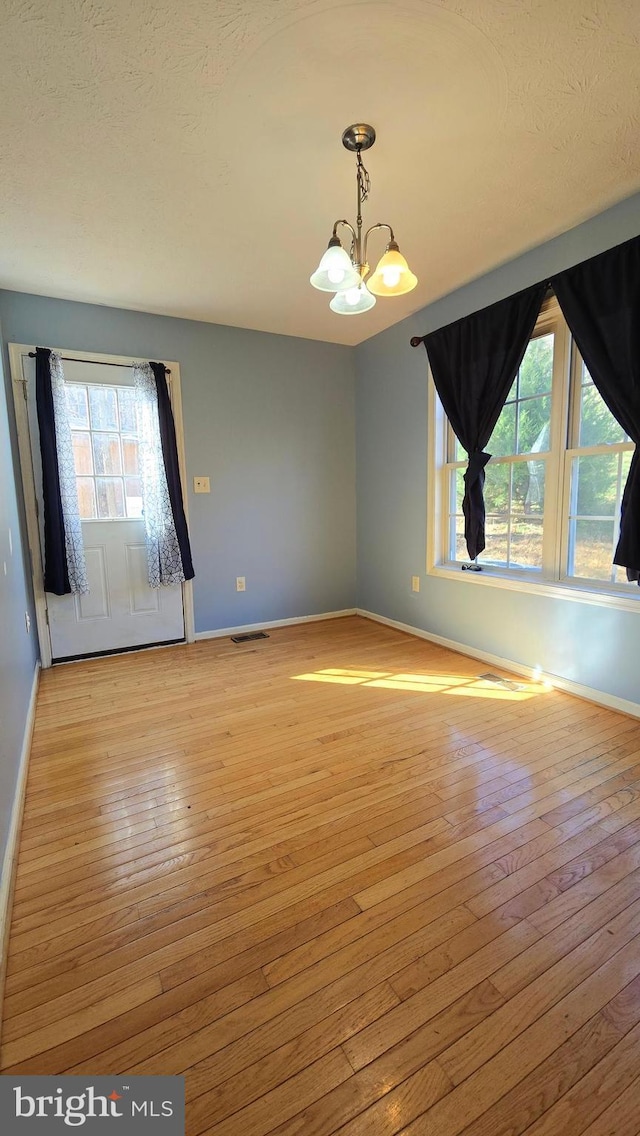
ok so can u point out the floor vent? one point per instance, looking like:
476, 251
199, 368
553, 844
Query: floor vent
248, 636
505, 683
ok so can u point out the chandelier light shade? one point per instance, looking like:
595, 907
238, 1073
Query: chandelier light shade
353, 301
392, 276
344, 273
335, 271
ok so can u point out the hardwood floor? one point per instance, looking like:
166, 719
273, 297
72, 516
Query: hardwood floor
340, 883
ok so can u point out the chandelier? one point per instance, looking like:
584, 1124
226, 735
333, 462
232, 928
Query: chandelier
344, 273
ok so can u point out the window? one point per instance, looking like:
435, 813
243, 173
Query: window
105, 450
598, 460
554, 484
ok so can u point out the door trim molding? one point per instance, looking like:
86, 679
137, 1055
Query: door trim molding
17, 351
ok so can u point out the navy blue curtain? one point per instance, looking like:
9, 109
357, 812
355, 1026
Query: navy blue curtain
474, 362
600, 300
56, 573
170, 456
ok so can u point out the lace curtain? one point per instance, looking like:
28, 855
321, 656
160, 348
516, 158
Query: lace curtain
163, 549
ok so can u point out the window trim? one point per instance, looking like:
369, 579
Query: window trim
561, 454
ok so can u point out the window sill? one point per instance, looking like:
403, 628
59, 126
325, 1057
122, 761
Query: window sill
493, 578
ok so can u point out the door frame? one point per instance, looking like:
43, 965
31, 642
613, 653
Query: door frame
17, 351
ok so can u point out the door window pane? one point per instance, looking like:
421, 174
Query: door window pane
106, 453
82, 459
130, 455
104, 408
110, 497
77, 406
86, 498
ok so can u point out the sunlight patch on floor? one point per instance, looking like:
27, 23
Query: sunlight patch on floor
424, 683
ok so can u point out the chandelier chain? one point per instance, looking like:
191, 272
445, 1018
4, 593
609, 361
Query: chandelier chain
364, 181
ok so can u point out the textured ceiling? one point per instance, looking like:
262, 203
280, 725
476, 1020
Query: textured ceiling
184, 156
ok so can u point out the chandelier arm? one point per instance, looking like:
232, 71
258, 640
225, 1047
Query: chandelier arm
349, 226
380, 225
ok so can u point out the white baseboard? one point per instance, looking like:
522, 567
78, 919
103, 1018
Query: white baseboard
623, 705
10, 859
223, 632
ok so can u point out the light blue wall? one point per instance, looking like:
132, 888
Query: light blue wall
18, 651
270, 419
594, 646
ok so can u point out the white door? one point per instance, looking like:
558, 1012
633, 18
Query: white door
120, 609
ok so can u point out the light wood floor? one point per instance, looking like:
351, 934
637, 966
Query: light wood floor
338, 882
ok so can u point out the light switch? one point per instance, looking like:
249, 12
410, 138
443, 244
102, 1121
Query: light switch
201, 485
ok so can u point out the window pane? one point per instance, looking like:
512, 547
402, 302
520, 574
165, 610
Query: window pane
130, 455
82, 460
525, 549
133, 491
104, 411
86, 497
536, 369
534, 425
592, 549
527, 488
459, 454
127, 404
598, 427
503, 440
459, 489
597, 485
110, 497
106, 453
497, 537
496, 487
77, 406
461, 550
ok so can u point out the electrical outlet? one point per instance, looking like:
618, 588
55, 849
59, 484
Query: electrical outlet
201, 485
240, 584
27, 619
415, 583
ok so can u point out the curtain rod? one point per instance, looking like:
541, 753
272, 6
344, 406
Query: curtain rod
98, 362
